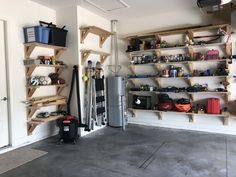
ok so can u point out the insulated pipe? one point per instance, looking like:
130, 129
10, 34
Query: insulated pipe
115, 46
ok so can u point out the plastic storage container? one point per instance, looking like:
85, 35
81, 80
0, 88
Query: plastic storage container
57, 36
36, 34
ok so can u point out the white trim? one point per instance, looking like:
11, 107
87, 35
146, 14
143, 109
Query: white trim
11, 148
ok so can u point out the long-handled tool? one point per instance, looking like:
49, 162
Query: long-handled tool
75, 78
89, 97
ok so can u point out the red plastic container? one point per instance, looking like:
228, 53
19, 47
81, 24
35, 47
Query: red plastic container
213, 106
213, 55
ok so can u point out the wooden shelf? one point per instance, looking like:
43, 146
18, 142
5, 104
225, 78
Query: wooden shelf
85, 54
207, 92
29, 48
103, 34
190, 114
179, 77
176, 48
30, 68
182, 62
176, 31
33, 123
32, 89
32, 109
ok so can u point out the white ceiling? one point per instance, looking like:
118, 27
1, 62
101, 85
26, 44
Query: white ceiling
136, 9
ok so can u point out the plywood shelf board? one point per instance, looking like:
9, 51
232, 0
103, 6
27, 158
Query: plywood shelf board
29, 48
182, 62
44, 120
176, 31
38, 86
86, 52
103, 34
32, 124
186, 113
30, 68
188, 78
207, 92
177, 48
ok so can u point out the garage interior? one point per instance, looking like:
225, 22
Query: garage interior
117, 88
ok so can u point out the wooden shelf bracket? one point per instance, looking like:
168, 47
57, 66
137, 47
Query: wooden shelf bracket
28, 50
85, 54
30, 91
160, 115
103, 34
29, 71
60, 89
58, 53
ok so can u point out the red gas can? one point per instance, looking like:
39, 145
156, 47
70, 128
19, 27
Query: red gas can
213, 106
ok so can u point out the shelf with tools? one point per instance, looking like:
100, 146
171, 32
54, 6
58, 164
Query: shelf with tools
30, 68
29, 48
86, 52
225, 94
103, 34
33, 104
33, 123
197, 50
32, 88
189, 47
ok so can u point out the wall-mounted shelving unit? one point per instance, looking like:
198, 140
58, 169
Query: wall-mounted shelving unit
85, 54
192, 115
29, 48
190, 65
30, 89
103, 34
30, 68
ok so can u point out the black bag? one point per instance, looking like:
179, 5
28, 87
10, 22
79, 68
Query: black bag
164, 98
183, 101
68, 130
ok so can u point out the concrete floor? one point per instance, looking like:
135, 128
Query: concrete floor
139, 152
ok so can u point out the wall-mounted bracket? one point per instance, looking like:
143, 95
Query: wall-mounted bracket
160, 115
103, 34
30, 70
85, 54
132, 111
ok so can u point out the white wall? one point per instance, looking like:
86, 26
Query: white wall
168, 20
17, 15
74, 19
88, 18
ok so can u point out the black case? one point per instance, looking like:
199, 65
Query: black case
68, 130
145, 102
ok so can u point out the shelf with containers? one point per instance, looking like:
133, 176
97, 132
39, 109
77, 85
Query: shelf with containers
190, 48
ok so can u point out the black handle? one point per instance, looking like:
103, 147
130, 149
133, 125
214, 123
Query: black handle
46, 23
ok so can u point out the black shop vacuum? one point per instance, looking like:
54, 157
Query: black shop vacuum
69, 124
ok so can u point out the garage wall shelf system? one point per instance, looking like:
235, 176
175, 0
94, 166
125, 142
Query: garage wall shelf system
44, 101
191, 32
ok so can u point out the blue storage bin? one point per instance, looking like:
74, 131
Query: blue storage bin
36, 34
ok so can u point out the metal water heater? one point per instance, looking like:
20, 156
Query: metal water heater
116, 101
